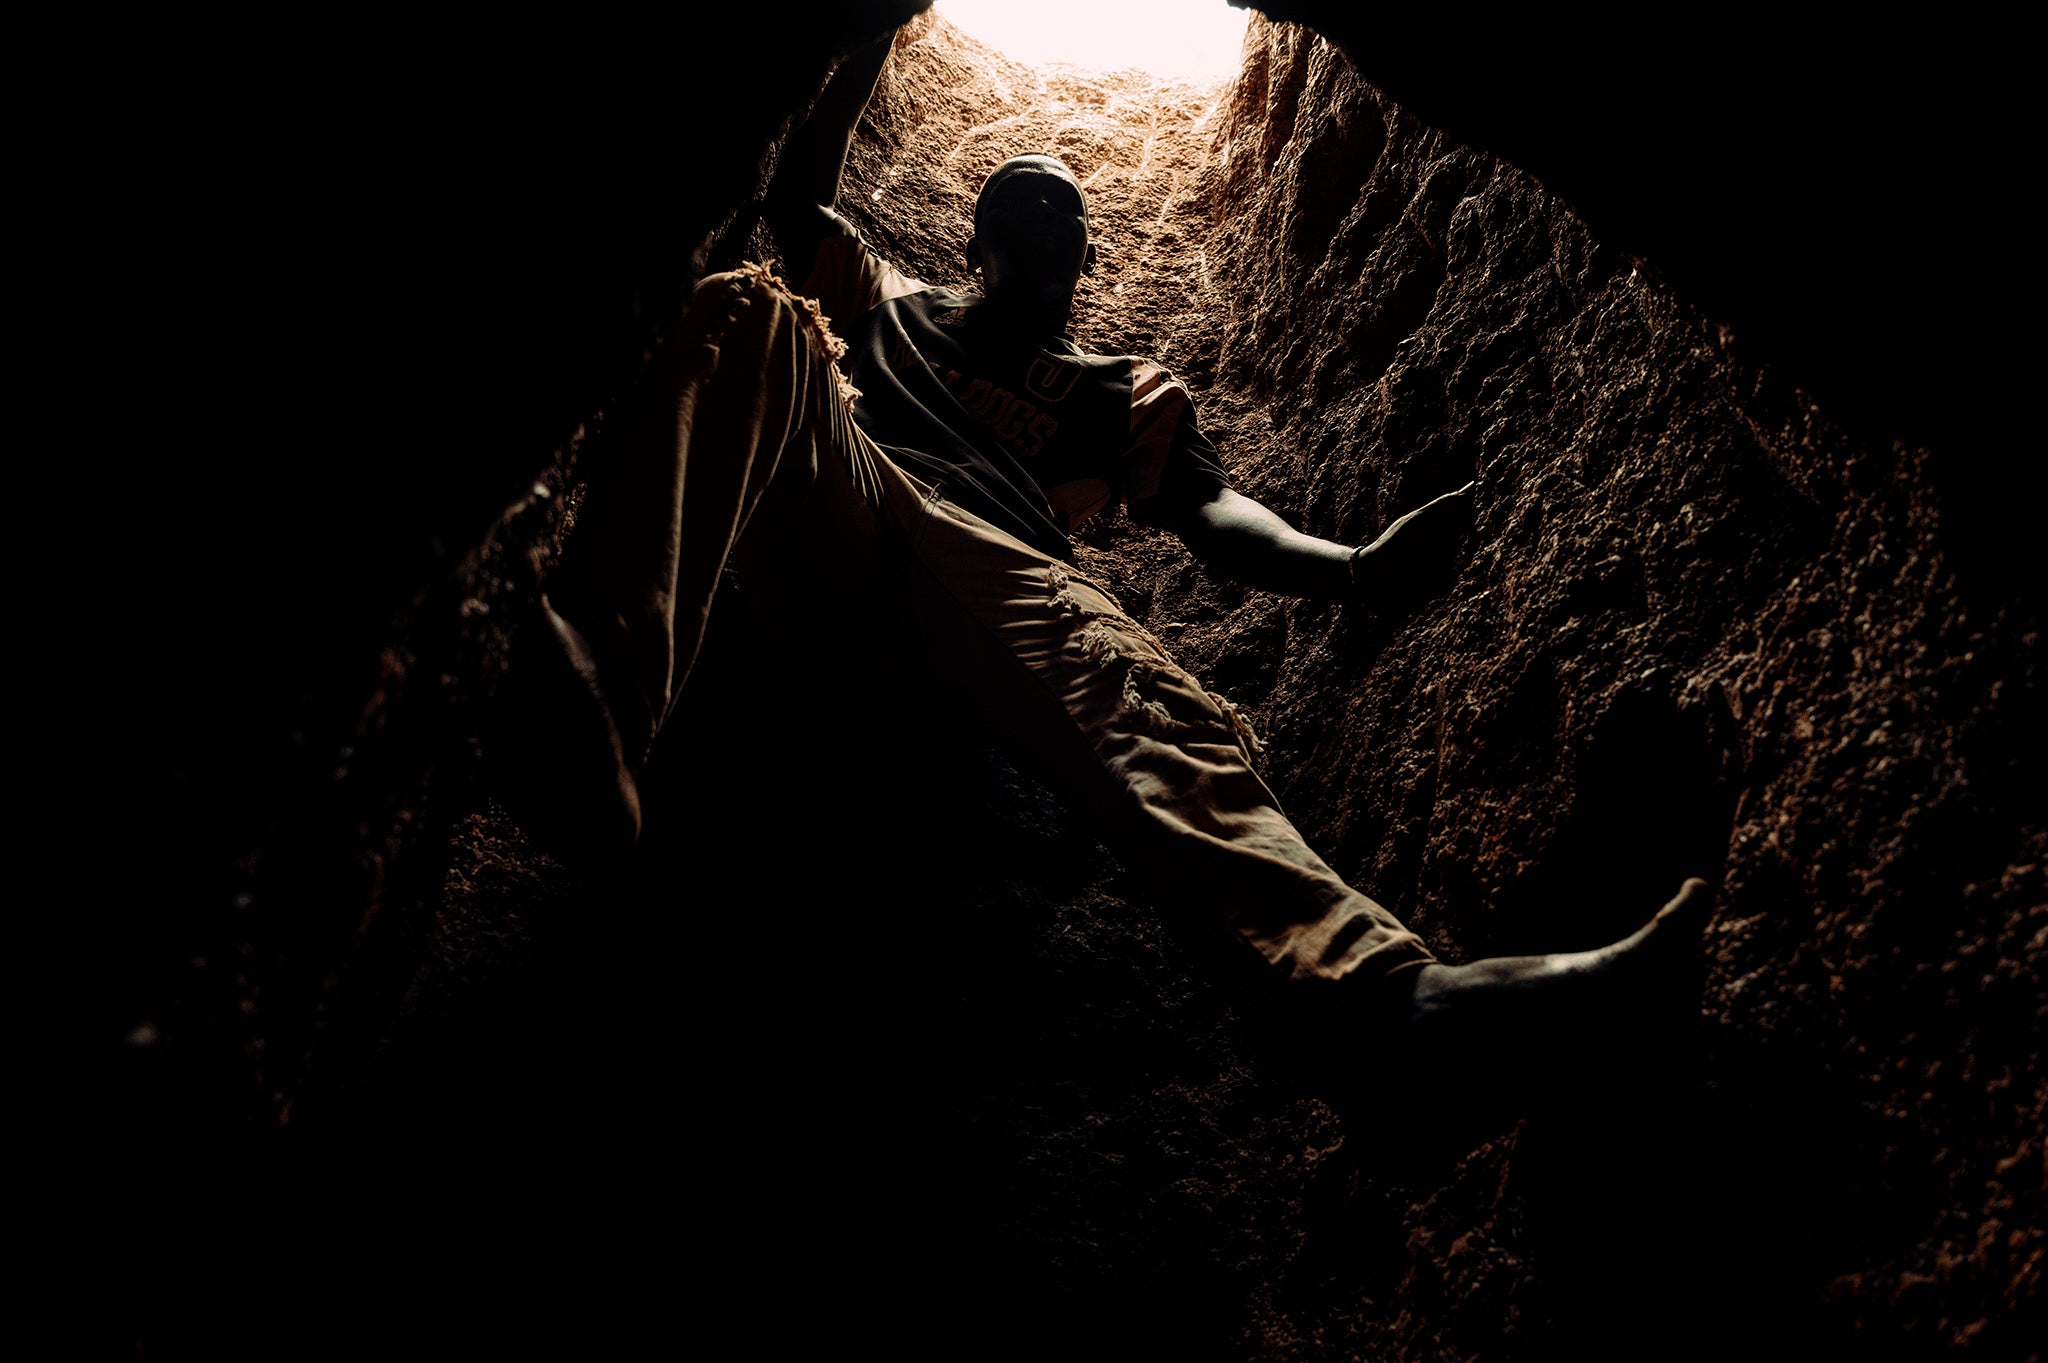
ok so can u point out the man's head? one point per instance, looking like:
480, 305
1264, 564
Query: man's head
1030, 237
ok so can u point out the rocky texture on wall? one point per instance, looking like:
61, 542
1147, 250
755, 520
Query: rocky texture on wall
377, 282
1829, 189
1700, 631
875, 1029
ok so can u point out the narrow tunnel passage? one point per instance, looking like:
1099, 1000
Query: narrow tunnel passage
875, 1010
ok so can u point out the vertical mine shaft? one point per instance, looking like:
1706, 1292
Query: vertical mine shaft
878, 1031
1700, 631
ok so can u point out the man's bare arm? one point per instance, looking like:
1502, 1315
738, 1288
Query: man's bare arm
1238, 538
807, 175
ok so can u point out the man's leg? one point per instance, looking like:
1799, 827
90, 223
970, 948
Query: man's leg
1091, 700
743, 425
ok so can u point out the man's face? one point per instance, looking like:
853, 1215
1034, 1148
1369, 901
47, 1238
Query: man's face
1031, 237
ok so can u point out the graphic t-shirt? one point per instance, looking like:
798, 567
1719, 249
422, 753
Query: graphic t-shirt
1031, 434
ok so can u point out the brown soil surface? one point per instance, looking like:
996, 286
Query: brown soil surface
873, 1042
1701, 632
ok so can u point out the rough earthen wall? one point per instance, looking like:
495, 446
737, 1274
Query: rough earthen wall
878, 1033
1700, 631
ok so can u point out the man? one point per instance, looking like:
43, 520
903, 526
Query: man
929, 488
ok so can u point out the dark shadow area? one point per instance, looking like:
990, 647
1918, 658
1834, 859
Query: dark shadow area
872, 1040
1811, 188
1664, 1222
1651, 805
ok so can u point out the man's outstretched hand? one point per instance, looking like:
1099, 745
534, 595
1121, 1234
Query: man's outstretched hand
1415, 557
1239, 539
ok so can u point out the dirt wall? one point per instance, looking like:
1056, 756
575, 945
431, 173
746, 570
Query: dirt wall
1700, 631
990, 1106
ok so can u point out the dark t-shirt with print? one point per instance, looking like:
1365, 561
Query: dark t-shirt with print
1032, 435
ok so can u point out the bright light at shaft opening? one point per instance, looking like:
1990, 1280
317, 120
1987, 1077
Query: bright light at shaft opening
1196, 39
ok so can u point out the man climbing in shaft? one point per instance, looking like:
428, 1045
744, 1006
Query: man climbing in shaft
928, 483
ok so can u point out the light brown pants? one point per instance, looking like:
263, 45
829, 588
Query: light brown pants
750, 450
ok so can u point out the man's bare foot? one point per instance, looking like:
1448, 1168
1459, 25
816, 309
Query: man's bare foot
1514, 1005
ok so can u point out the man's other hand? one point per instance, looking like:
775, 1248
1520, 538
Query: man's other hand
1415, 557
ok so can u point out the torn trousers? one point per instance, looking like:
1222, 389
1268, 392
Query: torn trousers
749, 451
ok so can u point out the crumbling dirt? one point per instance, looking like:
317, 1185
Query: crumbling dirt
1699, 632
877, 1032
